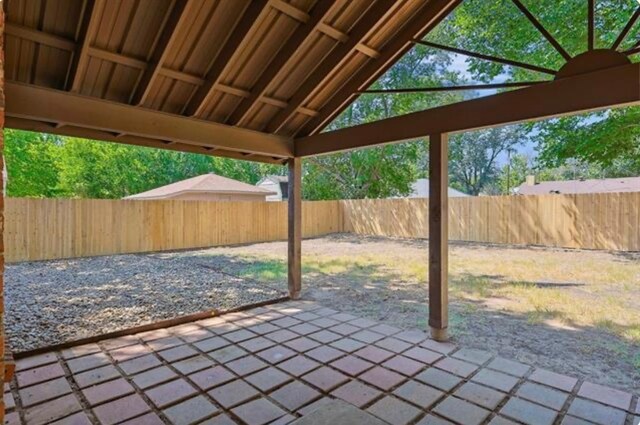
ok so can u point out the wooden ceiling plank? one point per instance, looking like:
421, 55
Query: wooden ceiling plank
427, 18
613, 87
279, 61
249, 19
177, 19
333, 60
542, 30
55, 106
625, 31
88, 27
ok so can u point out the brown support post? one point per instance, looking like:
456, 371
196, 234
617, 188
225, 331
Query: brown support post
438, 236
295, 227
3, 352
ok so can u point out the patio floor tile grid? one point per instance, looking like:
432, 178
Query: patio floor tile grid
274, 364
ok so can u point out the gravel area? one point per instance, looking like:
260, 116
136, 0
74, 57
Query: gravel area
50, 302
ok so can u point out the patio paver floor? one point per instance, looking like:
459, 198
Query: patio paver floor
264, 365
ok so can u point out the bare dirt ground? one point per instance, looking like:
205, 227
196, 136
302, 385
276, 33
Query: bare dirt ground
574, 312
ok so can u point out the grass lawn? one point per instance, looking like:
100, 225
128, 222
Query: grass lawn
577, 312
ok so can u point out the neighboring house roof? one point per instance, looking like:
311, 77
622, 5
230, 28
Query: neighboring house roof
206, 183
275, 179
626, 184
420, 189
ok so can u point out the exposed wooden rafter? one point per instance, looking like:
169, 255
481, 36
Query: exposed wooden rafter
422, 22
54, 106
279, 61
490, 86
542, 30
591, 24
176, 19
625, 31
87, 29
364, 26
246, 23
612, 87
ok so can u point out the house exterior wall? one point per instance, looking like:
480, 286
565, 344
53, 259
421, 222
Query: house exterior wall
273, 187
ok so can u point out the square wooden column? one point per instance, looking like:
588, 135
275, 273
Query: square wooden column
295, 227
5, 372
438, 236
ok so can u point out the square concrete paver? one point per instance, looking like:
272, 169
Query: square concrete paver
595, 412
153, 377
374, 354
418, 394
478, 394
96, 376
509, 366
298, 365
472, 355
461, 411
394, 411
403, 365
351, 365
382, 378
438, 379
233, 393
325, 378
258, 412
543, 395
268, 379
605, 395
44, 391
107, 391
190, 411
39, 374
295, 395
457, 367
528, 413
552, 379
170, 392
121, 409
356, 393
51, 410
494, 379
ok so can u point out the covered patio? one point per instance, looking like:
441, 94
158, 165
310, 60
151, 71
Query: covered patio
260, 80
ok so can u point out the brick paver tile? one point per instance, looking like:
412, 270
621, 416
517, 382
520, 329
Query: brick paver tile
170, 392
51, 410
385, 329
418, 394
356, 393
302, 344
268, 379
193, 364
147, 419
246, 365
212, 377
34, 361
347, 344
374, 354
258, 412
96, 376
153, 377
211, 344
282, 335
497, 380
91, 361
393, 344
80, 350
382, 378
552, 379
509, 366
324, 322
254, 345
140, 364
233, 393
404, 365
121, 409
165, 343
364, 323
298, 365
457, 367
196, 336
286, 322
177, 353
44, 391
325, 378
39, 374
595, 412
304, 329
414, 336
472, 355
294, 395
107, 391
528, 413
324, 354
153, 334
343, 317
439, 347
606, 395
461, 411
276, 354
239, 335
263, 328
190, 411
543, 395
433, 420
129, 352
367, 336
394, 411
306, 316
325, 336
228, 354
315, 405
422, 355
344, 329
122, 341
438, 378
220, 419
478, 394
499, 420
352, 365
79, 418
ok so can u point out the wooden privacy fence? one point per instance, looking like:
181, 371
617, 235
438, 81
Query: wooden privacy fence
595, 221
38, 229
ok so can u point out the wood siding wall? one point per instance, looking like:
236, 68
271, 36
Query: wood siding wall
596, 221
39, 229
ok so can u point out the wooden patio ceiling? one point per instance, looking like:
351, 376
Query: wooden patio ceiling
235, 78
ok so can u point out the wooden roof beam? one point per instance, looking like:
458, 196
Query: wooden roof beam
175, 20
542, 30
333, 60
279, 61
48, 105
618, 86
247, 22
422, 22
88, 26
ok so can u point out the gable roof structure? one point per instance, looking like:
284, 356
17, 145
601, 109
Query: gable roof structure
206, 183
625, 184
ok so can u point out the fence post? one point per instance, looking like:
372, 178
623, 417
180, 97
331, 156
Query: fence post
295, 227
438, 236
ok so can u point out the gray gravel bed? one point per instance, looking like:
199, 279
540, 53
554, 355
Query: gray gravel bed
49, 302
